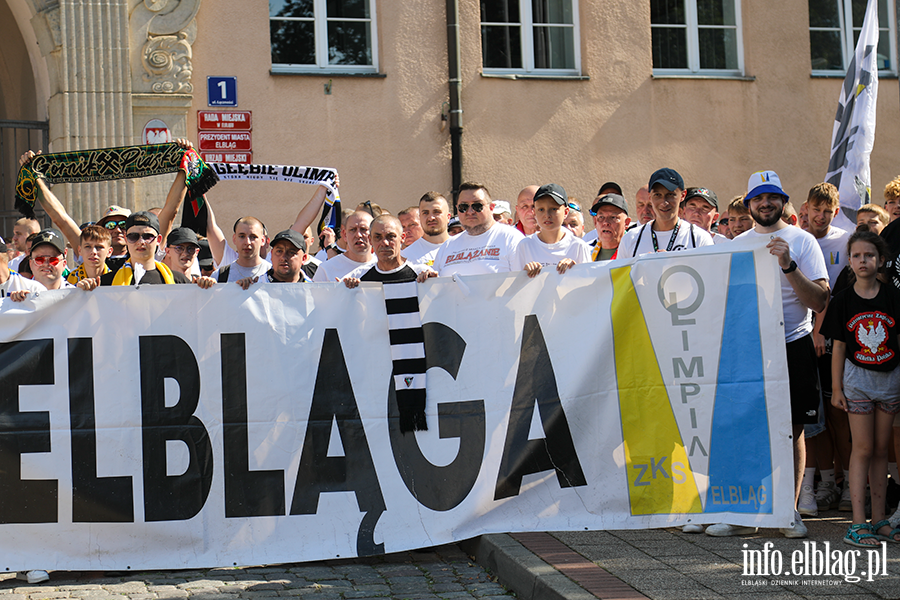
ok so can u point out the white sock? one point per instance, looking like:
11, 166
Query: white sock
827, 475
892, 471
809, 476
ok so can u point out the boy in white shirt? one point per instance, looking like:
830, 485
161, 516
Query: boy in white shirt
552, 244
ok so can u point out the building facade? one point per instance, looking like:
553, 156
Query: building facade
577, 92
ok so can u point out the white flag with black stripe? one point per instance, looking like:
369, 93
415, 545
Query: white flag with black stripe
854, 124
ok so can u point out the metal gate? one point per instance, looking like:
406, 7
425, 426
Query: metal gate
15, 138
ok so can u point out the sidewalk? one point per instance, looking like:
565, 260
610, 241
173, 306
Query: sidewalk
671, 565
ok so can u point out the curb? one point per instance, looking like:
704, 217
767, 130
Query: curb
521, 570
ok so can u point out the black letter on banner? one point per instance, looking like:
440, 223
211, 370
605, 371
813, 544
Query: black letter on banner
177, 497
521, 456
333, 400
94, 499
247, 493
441, 488
27, 362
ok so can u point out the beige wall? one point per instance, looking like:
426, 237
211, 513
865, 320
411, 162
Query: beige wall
17, 87
382, 134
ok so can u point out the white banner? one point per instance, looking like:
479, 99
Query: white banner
172, 427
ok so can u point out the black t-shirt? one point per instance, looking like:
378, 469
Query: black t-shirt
150, 277
868, 326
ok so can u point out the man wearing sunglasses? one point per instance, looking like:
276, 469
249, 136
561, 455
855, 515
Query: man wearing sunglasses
48, 261
483, 247
10, 280
182, 247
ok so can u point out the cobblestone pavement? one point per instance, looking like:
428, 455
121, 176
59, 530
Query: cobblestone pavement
439, 573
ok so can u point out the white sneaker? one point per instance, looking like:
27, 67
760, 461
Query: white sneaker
726, 530
797, 530
36, 576
827, 496
693, 528
807, 504
895, 518
846, 504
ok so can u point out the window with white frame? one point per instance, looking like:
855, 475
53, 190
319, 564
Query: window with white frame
696, 37
831, 44
323, 35
530, 36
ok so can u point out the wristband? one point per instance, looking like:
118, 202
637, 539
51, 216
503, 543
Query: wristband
791, 268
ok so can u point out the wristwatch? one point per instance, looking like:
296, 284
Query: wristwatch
790, 269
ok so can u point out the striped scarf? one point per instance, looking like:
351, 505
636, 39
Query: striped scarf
80, 273
125, 275
108, 164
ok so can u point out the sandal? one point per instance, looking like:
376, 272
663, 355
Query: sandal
885, 537
854, 536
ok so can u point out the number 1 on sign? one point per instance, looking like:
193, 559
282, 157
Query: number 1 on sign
224, 89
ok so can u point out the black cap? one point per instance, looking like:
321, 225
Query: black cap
3, 247
668, 178
182, 235
51, 237
610, 185
144, 218
610, 200
453, 222
204, 257
289, 235
554, 191
702, 192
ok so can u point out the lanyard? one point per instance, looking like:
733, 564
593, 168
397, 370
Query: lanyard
671, 241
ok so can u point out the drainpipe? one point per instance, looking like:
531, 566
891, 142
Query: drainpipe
455, 81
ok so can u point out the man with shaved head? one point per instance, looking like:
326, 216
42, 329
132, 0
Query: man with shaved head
21, 230
526, 221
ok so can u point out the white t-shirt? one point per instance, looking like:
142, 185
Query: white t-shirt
489, 252
834, 251
229, 255
532, 249
363, 269
14, 263
718, 238
590, 237
16, 282
236, 272
688, 237
421, 251
806, 253
338, 267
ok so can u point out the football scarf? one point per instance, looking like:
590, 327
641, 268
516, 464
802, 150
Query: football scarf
125, 275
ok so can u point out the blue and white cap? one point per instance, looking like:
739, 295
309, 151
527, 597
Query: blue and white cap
763, 182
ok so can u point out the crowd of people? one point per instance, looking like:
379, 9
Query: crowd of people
840, 308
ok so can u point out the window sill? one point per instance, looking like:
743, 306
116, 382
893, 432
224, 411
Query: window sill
535, 76
843, 75
703, 76
328, 74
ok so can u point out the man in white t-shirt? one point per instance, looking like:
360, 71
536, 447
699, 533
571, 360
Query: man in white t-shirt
701, 208
249, 237
23, 228
552, 245
484, 246
667, 232
11, 281
355, 231
412, 225
434, 214
804, 289
48, 262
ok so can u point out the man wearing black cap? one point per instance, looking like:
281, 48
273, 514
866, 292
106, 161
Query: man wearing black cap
143, 239
11, 281
610, 212
610, 187
182, 247
701, 207
667, 232
48, 262
288, 261
553, 245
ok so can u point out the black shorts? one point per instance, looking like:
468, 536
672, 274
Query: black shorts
804, 380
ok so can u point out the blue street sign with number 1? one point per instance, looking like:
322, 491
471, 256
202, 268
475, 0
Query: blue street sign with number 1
221, 91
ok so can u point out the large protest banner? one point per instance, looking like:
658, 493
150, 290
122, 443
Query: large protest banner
173, 427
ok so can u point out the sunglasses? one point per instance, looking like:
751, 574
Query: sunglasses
135, 237
185, 249
43, 260
113, 224
464, 207
574, 206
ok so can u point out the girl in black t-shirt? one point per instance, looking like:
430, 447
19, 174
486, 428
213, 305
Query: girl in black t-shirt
863, 321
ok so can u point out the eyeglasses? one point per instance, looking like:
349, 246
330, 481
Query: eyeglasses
135, 237
113, 224
43, 260
464, 207
608, 218
185, 249
574, 206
